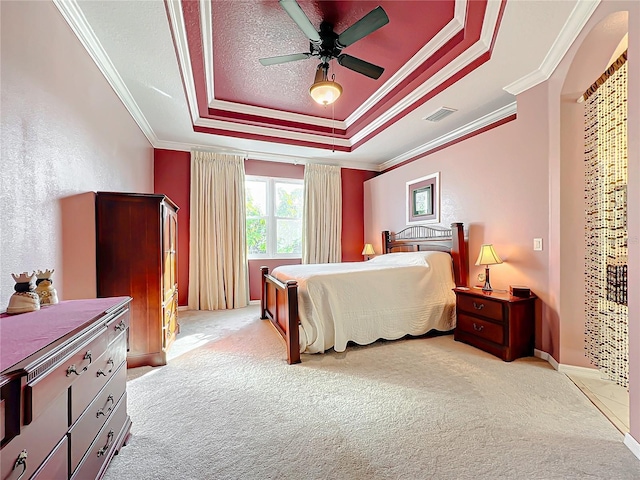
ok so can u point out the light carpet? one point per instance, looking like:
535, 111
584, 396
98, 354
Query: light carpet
227, 406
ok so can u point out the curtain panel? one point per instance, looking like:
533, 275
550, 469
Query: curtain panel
218, 272
322, 214
606, 322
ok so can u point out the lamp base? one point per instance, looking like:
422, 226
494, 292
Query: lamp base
487, 284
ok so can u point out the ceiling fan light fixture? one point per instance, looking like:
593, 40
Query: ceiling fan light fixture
325, 92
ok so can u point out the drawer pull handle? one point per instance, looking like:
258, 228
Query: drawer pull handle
121, 326
478, 306
72, 368
100, 372
107, 446
22, 460
101, 411
478, 328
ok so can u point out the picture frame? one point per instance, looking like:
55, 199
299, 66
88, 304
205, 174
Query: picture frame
423, 199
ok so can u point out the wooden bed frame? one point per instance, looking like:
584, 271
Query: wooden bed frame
279, 300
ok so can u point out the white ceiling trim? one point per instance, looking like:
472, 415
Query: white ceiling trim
78, 23
271, 132
471, 127
572, 28
184, 59
267, 157
476, 50
440, 39
207, 47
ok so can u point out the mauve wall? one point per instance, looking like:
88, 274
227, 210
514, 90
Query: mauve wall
511, 184
172, 177
65, 134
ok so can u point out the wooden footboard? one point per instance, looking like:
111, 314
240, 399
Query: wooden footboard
279, 304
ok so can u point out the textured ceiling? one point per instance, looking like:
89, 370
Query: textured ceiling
188, 72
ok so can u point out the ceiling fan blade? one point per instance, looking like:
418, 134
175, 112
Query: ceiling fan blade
284, 59
301, 19
371, 22
360, 66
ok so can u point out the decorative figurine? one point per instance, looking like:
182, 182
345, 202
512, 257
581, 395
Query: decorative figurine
44, 287
24, 299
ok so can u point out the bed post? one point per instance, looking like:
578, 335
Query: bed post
263, 297
459, 254
385, 241
293, 330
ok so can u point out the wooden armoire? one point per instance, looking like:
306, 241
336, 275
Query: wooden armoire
136, 245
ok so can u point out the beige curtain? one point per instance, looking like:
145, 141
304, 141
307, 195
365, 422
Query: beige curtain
218, 277
322, 215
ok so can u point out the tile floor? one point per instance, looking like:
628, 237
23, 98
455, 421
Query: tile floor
611, 399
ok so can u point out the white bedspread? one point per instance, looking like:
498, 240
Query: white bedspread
387, 297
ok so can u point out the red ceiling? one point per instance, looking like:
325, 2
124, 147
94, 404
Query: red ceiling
245, 31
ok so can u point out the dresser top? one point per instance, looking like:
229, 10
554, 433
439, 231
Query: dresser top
24, 334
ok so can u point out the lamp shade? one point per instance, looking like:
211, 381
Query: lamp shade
325, 92
368, 249
488, 255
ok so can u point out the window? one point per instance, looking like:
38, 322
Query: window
274, 217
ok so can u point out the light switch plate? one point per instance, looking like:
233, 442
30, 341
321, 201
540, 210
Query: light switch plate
537, 244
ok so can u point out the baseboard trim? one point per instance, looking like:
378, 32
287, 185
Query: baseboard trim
182, 308
254, 302
581, 371
545, 356
633, 445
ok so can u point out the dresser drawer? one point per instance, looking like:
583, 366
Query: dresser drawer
56, 466
36, 439
481, 306
481, 328
117, 326
95, 378
102, 448
71, 368
94, 417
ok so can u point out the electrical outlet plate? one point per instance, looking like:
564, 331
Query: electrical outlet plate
537, 244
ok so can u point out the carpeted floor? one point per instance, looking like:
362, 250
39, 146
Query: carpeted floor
229, 407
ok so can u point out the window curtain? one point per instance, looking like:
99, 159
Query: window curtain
606, 323
218, 273
322, 214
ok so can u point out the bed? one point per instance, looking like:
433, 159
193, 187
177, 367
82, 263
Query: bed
406, 291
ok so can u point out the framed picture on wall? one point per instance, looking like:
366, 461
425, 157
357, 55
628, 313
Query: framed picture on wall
423, 199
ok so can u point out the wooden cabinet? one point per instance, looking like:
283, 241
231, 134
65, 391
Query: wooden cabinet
63, 389
136, 245
497, 323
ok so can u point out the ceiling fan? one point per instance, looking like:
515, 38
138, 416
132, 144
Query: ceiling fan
327, 44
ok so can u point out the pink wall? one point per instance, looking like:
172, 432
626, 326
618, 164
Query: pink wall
512, 184
64, 133
172, 177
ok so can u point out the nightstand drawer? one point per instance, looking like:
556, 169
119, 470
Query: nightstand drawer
481, 306
482, 329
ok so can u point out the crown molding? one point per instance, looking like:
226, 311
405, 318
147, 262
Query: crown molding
480, 47
266, 157
570, 31
207, 47
471, 127
73, 15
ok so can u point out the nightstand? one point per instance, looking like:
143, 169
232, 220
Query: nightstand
495, 322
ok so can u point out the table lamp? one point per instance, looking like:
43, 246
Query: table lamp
488, 256
368, 250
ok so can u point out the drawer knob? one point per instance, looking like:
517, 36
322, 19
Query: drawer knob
478, 306
72, 368
101, 411
100, 372
107, 445
478, 328
121, 326
22, 460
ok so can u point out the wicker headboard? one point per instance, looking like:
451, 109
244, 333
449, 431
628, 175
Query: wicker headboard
423, 237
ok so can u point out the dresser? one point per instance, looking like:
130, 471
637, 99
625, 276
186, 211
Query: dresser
63, 400
495, 322
136, 245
